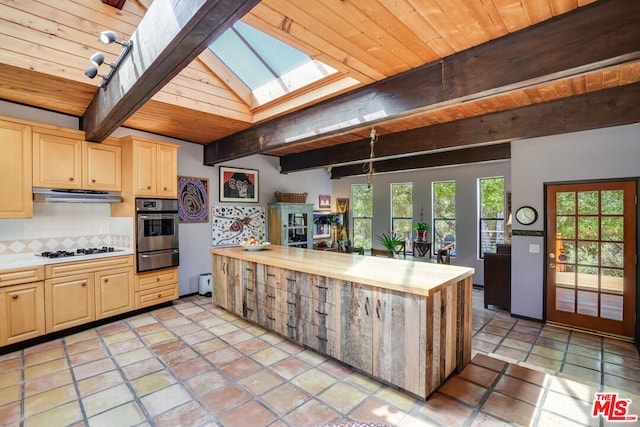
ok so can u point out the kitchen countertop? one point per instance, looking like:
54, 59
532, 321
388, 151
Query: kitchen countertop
26, 260
420, 278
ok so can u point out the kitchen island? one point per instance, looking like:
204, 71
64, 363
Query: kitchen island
403, 322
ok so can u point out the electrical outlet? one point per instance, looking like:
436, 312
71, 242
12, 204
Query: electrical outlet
534, 249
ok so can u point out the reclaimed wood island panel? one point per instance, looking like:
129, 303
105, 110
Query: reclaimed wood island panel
406, 323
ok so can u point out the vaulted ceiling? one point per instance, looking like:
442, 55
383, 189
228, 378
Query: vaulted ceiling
441, 81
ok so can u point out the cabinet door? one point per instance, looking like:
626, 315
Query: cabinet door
101, 167
399, 346
57, 161
114, 292
16, 163
144, 169
356, 312
219, 280
21, 312
69, 301
167, 185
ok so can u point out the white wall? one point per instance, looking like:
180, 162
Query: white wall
590, 155
466, 178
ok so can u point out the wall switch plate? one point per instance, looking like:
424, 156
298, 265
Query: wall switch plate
534, 249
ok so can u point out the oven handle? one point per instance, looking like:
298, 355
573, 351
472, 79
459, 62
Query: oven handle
155, 216
147, 255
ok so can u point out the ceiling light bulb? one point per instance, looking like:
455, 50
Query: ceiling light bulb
91, 72
108, 37
97, 59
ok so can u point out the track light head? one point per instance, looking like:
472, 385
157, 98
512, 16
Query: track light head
108, 37
92, 72
97, 59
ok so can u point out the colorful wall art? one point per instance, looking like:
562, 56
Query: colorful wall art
230, 225
193, 199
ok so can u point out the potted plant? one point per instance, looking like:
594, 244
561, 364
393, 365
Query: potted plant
421, 228
390, 241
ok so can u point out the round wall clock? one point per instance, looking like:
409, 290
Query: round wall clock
526, 215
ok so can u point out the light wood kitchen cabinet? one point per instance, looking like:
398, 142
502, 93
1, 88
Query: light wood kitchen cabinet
102, 166
57, 159
21, 305
70, 301
82, 291
16, 164
151, 167
156, 287
114, 293
62, 159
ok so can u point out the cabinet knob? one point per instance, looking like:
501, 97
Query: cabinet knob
164, 189
93, 181
84, 284
14, 296
106, 280
148, 187
71, 179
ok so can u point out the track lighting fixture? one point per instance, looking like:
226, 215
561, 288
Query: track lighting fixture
97, 59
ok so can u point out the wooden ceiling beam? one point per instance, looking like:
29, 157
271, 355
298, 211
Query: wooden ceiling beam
169, 37
484, 153
545, 52
593, 110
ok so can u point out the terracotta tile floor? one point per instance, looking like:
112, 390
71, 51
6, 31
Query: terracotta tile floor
194, 364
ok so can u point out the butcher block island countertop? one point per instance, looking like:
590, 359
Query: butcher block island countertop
420, 278
405, 323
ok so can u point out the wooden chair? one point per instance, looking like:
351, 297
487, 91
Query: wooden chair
382, 253
444, 254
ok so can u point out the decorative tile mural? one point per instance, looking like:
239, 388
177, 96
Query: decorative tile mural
230, 225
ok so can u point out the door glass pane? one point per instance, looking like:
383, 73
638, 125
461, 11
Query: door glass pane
588, 253
612, 202
588, 202
587, 303
611, 307
612, 255
611, 280
566, 226
566, 278
588, 228
612, 228
566, 203
570, 252
565, 300
588, 278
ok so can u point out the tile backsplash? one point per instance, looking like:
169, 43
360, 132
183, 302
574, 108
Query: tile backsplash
57, 226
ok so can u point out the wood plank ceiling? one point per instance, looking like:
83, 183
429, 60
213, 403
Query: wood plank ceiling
46, 45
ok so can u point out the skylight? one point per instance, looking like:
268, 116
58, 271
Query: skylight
267, 66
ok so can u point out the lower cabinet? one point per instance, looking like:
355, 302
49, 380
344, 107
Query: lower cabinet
22, 312
80, 292
156, 287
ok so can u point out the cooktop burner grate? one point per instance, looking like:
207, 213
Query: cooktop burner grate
78, 252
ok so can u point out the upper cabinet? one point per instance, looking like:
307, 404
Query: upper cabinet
57, 159
15, 170
62, 159
151, 168
102, 166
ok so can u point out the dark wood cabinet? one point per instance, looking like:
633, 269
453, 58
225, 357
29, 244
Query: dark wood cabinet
497, 277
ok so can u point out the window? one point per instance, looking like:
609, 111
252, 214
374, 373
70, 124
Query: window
444, 213
491, 214
402, 211
269, 67
362, 199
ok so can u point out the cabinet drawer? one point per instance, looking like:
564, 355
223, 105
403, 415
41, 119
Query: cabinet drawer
21, 275
88, 266
156, 296
156, 279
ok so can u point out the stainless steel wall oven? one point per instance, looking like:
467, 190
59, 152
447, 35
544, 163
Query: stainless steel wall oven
156, 234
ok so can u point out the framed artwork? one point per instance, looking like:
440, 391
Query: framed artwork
324, 201
238, 185
193, 199
230, 225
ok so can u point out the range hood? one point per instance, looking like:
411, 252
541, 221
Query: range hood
75, 196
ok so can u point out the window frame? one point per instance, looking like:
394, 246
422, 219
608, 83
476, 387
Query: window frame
355, 218
434, 219
481, 248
